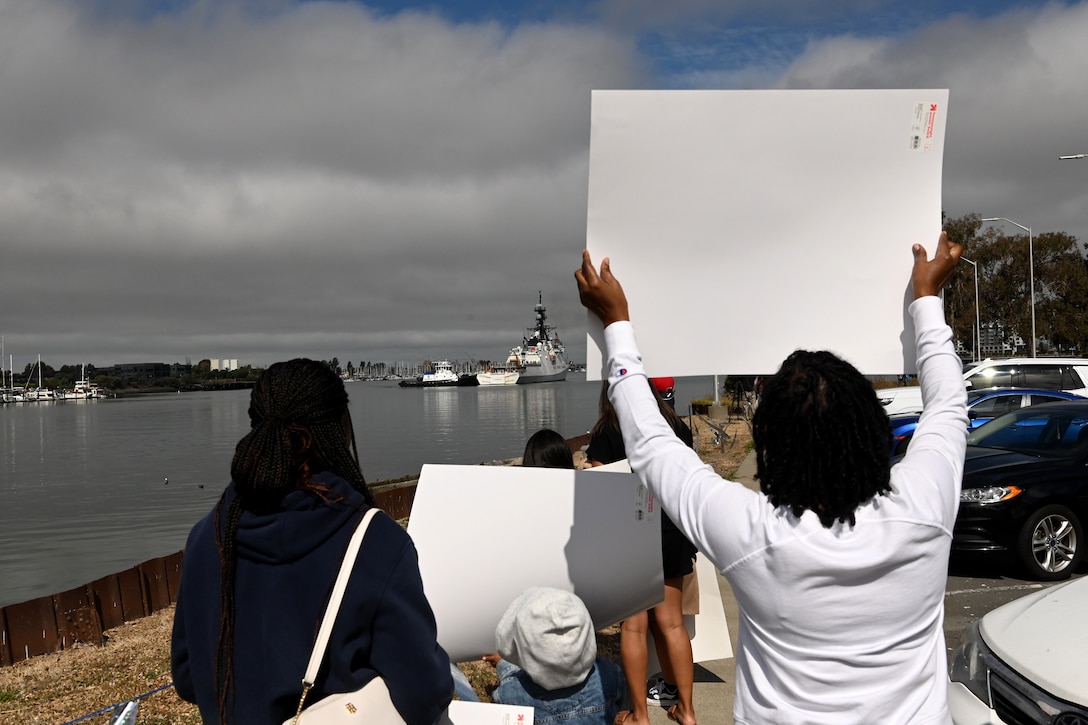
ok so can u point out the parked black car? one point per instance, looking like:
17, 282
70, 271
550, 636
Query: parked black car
1025, 488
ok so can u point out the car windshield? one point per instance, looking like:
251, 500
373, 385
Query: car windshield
1035, 430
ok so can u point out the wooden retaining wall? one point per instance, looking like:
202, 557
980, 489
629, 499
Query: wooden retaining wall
49, 624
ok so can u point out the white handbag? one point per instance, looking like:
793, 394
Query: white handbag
371, 704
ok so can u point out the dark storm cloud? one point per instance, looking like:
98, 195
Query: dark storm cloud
289, 183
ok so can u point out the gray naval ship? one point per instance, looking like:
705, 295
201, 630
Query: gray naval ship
541, 357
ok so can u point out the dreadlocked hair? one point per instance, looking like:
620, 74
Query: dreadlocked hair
300, 426
821, 438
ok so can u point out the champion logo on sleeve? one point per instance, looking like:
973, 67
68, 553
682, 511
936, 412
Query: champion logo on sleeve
621, 372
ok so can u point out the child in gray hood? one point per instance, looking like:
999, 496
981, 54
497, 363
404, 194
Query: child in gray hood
548, 650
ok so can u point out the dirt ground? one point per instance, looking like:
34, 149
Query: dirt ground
135, 660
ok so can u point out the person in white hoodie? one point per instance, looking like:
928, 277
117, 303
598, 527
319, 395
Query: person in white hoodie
839, 562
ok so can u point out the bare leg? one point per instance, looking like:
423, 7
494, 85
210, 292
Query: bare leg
662, 650
633, 654
677, 662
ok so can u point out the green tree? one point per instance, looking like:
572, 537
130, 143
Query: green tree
1004, 286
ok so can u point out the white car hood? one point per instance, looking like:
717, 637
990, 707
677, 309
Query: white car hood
1043, 637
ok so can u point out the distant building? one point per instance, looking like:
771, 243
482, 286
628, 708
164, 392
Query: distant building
224, 365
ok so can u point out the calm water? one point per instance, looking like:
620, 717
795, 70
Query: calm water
83, 489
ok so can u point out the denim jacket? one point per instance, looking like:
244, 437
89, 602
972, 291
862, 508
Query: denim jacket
594, 702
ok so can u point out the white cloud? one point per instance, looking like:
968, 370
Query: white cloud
1014, 107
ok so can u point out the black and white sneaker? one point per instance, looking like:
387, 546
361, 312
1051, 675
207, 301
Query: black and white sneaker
662, 694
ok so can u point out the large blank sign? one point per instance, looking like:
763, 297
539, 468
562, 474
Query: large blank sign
746, 224
485, 534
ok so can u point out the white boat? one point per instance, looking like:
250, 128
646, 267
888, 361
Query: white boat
541, 357
440, 375
83, 388
8, 393
498, 376
38, 394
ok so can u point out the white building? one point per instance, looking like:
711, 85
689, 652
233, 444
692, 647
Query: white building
225, 365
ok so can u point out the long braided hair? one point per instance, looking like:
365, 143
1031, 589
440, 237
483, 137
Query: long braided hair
822, 440
300, 426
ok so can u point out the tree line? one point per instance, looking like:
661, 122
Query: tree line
65, 377
1004, 290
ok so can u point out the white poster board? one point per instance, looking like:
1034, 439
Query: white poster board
746, 224
708, 630
461, 712
485, 534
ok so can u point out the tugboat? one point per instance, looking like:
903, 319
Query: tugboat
541, 357
442, 376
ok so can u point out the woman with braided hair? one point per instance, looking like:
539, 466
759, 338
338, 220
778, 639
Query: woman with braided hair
259, 568
839, 561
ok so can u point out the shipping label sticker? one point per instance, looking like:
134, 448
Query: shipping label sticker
921, 127
645, 505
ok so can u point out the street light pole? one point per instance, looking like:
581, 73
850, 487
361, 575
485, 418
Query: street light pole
978, 317
1072, 156
1031, 271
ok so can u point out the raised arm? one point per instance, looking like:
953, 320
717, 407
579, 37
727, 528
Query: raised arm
601, 293
930, 276
937, 449
688, 489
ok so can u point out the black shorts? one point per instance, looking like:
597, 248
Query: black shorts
677, 553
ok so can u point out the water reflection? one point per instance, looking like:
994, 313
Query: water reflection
90, 488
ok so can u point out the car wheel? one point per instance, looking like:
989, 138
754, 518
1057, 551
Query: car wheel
1050, 543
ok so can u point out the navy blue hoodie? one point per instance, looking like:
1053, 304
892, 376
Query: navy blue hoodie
287, 562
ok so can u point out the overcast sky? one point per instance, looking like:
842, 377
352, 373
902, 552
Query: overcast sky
397, 180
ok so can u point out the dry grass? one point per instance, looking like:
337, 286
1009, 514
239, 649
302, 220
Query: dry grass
135, 659
63, 686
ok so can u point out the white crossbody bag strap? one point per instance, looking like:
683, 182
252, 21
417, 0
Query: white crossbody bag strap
334, 600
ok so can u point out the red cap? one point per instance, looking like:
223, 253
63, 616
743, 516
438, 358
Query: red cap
663, 385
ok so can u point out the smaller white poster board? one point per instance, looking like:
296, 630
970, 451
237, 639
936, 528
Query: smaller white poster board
485, 534
484, 713
708, 630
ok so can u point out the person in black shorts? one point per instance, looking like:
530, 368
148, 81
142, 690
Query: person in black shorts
678, 559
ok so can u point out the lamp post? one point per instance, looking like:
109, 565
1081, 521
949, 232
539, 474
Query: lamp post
1072, 156
978, 317
1031, 271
